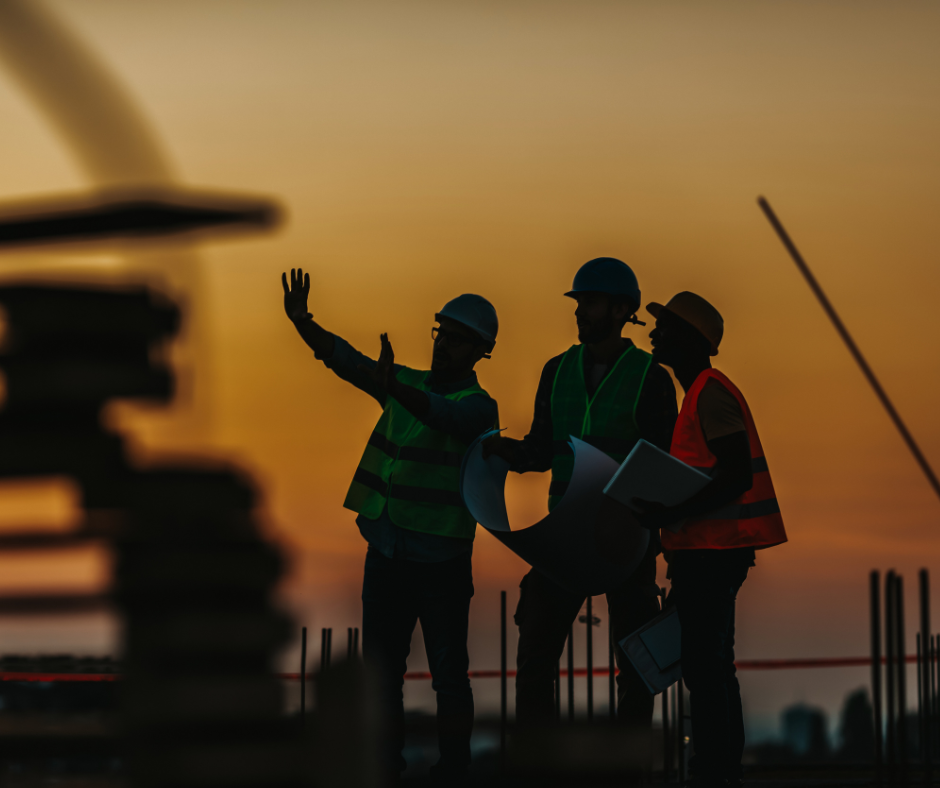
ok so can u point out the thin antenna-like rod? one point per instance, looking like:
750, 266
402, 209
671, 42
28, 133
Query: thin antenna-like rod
850, 343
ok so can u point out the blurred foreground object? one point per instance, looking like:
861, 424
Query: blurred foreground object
201, 705
141, 214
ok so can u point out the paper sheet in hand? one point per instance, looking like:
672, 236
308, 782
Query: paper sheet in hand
653, 475
588, 544
654, 650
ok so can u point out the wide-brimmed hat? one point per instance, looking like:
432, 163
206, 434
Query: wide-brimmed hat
697, 312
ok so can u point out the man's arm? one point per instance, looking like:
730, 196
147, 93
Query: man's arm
536, 450
731, 478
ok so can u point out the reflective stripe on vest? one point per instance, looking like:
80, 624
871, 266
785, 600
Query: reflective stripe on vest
413, 469
754, 519
607, 420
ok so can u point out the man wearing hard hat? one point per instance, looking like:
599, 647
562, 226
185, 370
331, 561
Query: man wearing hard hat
407, 497
735, 514
607, 392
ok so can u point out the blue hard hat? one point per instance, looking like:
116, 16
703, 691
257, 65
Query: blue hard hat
606, 275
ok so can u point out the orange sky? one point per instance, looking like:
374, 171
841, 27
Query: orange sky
423, 149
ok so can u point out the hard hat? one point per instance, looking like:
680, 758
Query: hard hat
474, 312
606, 275
697, 312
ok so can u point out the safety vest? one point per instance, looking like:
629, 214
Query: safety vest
752, 520
607, 420
413, 469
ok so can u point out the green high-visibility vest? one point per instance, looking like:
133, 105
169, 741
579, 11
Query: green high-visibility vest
606, 420
413, 469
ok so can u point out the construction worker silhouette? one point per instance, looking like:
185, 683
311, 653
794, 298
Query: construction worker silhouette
725, 522
609, 393
406, 494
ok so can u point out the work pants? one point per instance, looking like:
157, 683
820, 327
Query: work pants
705, 584
396, 594
544, 615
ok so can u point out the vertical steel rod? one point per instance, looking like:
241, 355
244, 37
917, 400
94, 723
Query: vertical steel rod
680, 731
323, 657
666, 738
923, 678
571, 673
611, 668
877, 723
502, 677
901, 658
674, 745
590, 660
303, 675
558, 689
348, 643
356, 642
329, 646
918, 658
933, 695
890, 679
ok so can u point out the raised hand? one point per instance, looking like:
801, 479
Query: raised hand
382, 372
295, 294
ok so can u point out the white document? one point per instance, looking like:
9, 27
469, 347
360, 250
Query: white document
654, 649
653, 475
587, 544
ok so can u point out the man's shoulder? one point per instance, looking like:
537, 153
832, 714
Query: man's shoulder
657, 377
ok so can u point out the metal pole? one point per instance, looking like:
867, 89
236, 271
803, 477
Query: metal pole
303, 676
666, 739
680, 731
324, 660
933, 693
611, 667
875, 599
558, 689
674, 745
571, 673
890, 678
348, 643
850, 343
918, 658
502, 677
356, 642
329, 646
901, 657
590, 660
923, 677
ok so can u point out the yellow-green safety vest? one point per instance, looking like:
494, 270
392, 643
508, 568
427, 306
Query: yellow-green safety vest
413, 469
606, 420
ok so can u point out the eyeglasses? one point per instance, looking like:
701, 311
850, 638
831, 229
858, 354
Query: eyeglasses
454, 339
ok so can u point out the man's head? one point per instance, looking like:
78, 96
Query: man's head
688, 329
466, 333
608, 296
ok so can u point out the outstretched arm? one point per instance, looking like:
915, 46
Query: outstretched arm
317, 338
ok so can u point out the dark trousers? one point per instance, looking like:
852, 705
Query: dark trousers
544, 614
705, 584
396, 595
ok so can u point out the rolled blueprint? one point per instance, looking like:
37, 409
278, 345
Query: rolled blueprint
588, 544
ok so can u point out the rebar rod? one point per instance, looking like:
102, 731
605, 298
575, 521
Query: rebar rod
875, 601
589, 634
850, 344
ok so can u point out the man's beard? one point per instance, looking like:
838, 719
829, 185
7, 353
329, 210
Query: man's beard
597, 332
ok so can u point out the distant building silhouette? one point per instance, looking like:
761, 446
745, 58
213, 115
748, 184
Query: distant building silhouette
856, 729
804, 732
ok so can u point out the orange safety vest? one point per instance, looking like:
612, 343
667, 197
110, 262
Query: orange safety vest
753, 520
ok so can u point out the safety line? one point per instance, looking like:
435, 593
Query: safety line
423, 675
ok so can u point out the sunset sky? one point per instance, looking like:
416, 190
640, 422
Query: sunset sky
421, 150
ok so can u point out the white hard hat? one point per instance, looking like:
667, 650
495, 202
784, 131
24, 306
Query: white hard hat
474, 312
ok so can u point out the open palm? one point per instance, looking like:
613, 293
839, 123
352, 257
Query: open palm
295, 294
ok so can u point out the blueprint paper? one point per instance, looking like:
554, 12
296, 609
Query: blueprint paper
653, 475
664, 631
588, 544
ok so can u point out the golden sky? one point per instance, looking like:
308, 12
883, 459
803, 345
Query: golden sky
426, 149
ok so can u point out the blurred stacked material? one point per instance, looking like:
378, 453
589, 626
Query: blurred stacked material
201, 705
